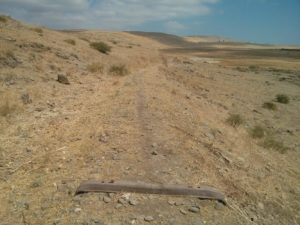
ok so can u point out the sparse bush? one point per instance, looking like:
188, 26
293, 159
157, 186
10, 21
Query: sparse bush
281, 98
101, 47
269, 105
6, 109
270, 143
241, 69
119, 70
84, 39
253, 67
70, 41
235, 120
257, 132
3, 19
95, 68
38, 30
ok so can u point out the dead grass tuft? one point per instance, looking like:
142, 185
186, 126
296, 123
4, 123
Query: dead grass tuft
8, 105
101, 47
235, 120
271, 143
257, 132
118, 70
95, 68
38, 30
270, 106
70, 41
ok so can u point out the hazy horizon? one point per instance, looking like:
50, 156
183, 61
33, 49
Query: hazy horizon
257, 21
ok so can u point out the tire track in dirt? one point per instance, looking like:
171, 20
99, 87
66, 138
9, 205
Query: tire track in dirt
144, 121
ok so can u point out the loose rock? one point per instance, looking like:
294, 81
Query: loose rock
148, 218
261, 206
133, 202
106, 199
118, 206
62, 79
122, 201
183, 211
194, 209
171, 202
219, 205
77, 210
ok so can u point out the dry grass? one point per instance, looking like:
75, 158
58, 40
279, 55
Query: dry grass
38, 30
118, 70
3, 19
257, 132
281, 98
95, 68
235, 120
270, 106
70, 41
271, 143
8, 105
101, 47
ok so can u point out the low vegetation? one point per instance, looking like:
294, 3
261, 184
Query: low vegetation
118, 70
7, 107
3, 19
235, 120
95, 68
70, 41
271, 143
270, 106
281, 98
257, 132
38, 30
101, 47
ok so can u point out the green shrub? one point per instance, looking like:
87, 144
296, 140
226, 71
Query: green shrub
281, 98
235, 120
119, 70
257, 132
269, 105
70, 41
101, 47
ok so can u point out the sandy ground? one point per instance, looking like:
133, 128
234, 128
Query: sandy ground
163, 122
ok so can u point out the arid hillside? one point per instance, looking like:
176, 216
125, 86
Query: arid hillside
93, 105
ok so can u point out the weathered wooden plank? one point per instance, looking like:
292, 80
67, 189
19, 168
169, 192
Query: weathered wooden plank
145, 188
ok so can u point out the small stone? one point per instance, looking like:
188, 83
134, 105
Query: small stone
219, 205
154, 153
171, 202
111, 195
133, 202
183, 211
106, 199
62, 79
194, 209
118, 206
77, 210
261, 206
154, 145
122, 201
148, 218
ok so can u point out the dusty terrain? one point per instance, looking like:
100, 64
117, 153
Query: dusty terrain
165, 121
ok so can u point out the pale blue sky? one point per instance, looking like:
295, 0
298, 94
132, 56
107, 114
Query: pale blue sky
263, 21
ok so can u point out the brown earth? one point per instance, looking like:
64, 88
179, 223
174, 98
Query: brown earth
163, 122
